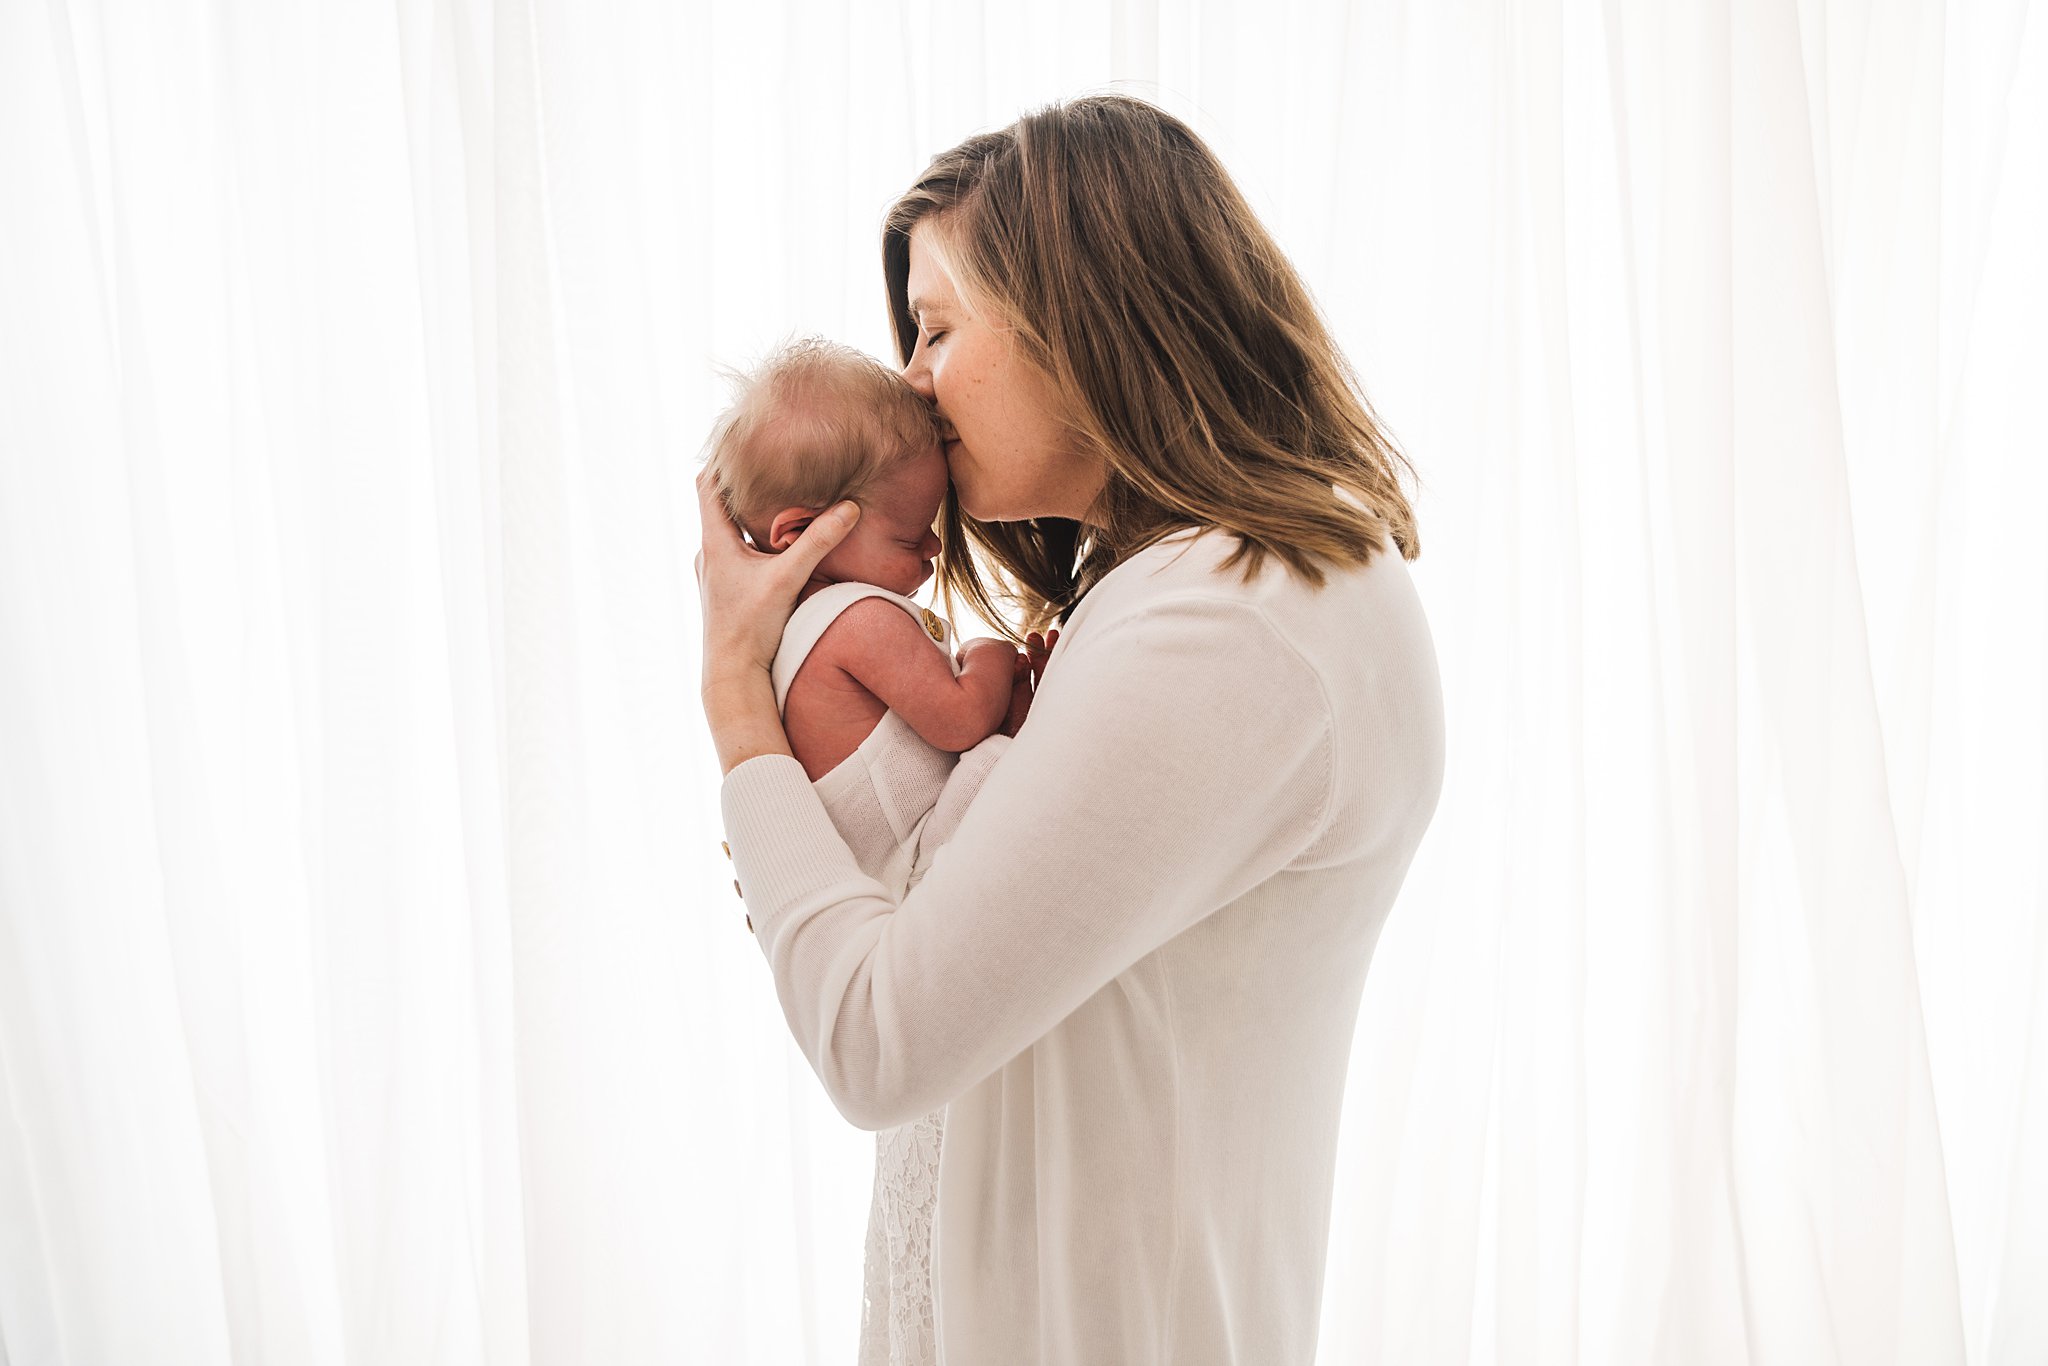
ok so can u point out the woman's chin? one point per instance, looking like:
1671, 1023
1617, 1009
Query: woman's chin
976, 504
973, 507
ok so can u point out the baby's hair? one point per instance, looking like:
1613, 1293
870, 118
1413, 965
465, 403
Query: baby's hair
814, 423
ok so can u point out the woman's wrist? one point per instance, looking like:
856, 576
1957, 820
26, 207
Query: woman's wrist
739, 707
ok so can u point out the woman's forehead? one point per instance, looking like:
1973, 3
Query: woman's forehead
928, 282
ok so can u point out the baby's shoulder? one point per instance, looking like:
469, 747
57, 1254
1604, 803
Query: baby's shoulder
871, 616
866, 626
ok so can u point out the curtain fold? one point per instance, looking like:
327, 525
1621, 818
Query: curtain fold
371, 987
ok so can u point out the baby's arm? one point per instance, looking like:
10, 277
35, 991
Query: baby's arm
881, 648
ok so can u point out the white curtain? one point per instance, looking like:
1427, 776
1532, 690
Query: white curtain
371, 988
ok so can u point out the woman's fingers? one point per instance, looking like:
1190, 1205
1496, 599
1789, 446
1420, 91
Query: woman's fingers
738, 589
1039, 648
816, 541
746, 594
722, 544
1020, 704
719, 532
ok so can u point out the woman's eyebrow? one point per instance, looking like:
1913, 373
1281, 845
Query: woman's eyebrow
918, 306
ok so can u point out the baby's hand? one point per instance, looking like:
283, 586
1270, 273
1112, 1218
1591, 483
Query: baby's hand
987, 673
988, 645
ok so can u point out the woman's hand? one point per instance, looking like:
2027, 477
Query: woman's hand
1039, 650
1020, 696
746, 595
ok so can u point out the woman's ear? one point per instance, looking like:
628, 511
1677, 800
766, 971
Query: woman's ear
786, 526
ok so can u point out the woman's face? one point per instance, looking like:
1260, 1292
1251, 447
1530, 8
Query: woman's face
1010, 455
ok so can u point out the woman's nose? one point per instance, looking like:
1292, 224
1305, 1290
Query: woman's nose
919, 375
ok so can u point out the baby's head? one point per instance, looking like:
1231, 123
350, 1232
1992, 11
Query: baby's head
815, 424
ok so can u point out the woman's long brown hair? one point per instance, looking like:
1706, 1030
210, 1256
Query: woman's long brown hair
1199, 372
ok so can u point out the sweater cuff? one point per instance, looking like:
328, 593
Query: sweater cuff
785, 850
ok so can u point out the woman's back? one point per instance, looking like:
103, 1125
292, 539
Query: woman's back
1181, 1124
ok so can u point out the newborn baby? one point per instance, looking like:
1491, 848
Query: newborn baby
877, 705
863, 672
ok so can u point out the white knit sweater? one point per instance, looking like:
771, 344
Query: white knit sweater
1135, 970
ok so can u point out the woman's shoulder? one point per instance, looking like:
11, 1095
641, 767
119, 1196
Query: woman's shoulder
1362, 634
1195, 564
1352, 660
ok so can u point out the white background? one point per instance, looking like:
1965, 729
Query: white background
371, 988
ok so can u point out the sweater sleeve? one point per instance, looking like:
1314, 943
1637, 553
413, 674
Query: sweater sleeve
1175, 758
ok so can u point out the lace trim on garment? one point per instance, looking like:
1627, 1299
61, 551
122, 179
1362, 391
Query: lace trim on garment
896, 1327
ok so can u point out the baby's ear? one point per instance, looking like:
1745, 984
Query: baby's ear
785, 526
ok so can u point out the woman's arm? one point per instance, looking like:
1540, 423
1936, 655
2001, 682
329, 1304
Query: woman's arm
1182, 755
745, 598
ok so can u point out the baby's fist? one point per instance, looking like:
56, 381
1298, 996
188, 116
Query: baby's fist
987, 645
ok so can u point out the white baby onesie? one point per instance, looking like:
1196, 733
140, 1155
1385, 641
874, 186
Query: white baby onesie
895, 800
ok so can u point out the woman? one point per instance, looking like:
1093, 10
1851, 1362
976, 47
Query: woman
1133, 974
